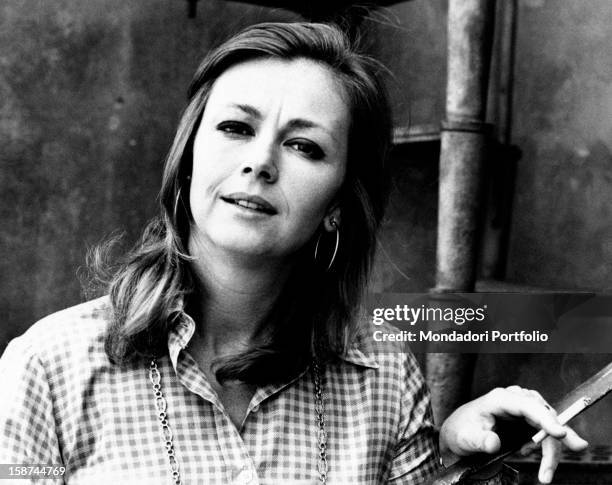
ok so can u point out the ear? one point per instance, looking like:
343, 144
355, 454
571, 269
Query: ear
332, 215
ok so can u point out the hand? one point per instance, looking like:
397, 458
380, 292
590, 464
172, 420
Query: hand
470, 428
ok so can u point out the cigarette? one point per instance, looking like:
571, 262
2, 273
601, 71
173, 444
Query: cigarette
576, 408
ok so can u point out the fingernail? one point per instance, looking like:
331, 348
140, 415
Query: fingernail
489, 444
527, 449
561, 430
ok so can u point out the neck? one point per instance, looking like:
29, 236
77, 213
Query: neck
236, 298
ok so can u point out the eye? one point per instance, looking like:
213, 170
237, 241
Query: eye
307, 148
237, 128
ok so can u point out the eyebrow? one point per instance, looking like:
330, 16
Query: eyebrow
295, 123
248, 109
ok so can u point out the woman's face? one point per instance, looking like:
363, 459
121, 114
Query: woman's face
268, 158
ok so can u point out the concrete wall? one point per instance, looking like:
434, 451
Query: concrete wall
90, 94
410, 39
562, 226
561, 231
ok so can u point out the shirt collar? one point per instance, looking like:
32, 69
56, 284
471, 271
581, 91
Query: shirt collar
358, 353
361, 351
179, 336
356, 356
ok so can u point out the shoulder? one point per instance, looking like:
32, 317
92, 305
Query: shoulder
75, 333
50, 373
394, 363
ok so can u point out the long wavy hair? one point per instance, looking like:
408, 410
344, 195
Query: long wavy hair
316, 313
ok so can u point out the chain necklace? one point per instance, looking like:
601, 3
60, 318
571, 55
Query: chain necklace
161, 406
322, 466
166, 431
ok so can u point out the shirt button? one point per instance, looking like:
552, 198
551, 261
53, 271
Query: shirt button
244, 477
255, 408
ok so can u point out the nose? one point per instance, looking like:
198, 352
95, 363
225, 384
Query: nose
262, 163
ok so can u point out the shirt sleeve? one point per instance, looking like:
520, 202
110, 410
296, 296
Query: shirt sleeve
27, 424
417, 456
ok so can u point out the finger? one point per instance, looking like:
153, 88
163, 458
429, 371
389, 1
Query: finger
515, 389
573, 441
529, 393
551, 450
477, 441
524, 391
538, 397
489, 442
509, 403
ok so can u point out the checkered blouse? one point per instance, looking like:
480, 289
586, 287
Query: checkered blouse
63, 402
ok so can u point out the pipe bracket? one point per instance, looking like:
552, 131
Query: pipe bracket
467, 126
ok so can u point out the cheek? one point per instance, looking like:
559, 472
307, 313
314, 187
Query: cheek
313, 198
210, 168
316, 201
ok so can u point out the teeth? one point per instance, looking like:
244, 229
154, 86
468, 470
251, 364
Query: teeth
248, 205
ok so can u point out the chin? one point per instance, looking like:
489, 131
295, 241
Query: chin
245, 243
244, 248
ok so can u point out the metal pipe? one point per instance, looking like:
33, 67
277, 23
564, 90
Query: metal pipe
462, 153
463, 141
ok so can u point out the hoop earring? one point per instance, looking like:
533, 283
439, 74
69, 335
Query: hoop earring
176, 203
331, 262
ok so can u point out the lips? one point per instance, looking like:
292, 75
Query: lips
250, 202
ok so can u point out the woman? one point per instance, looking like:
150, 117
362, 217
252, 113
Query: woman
234, 327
